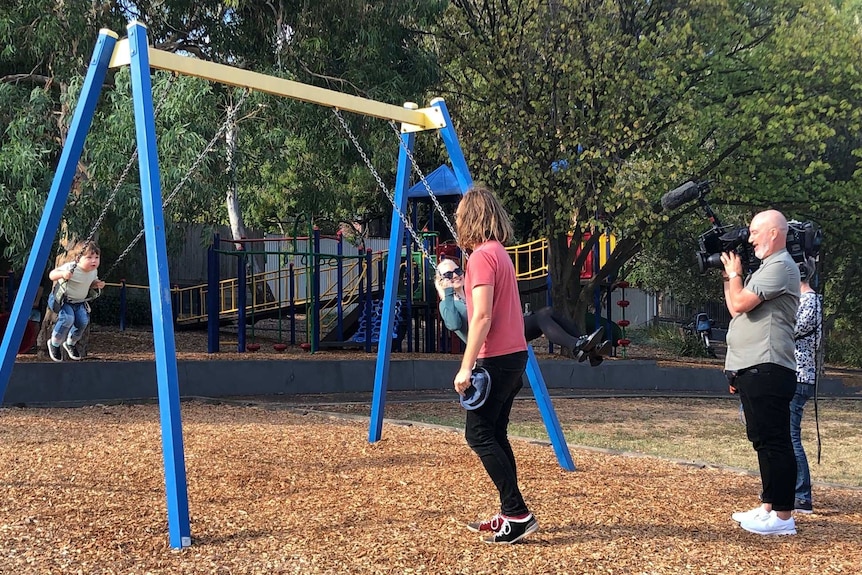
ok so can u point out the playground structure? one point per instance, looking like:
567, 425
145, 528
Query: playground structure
345, 313
333, 290
136, 52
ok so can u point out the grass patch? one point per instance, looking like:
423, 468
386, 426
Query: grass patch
697, 430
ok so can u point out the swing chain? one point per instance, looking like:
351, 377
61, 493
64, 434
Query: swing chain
183, 181
424, 181
128, 167
390, 195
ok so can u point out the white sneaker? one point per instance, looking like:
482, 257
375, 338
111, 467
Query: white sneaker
772, 525
756, 513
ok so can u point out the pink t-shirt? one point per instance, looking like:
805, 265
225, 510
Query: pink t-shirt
490, 264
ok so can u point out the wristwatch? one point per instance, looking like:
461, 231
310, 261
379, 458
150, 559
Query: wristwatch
732, 275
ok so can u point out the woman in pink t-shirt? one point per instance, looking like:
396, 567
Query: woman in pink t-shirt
495, 341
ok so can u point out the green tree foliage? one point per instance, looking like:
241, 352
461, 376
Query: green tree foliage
638, 97
298, 163
290, 160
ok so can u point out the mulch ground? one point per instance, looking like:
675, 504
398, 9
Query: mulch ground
274, 489
278, 490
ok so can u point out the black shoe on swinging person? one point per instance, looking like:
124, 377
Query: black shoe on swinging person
604, 348
588, 342
72, 350
54, 352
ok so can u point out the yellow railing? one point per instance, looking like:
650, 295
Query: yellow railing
191, 301
269, 290
530, 259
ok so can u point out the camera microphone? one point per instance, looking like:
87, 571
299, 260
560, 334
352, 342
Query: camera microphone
680, 196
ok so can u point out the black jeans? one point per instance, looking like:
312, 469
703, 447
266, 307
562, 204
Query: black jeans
486, 428
766, 391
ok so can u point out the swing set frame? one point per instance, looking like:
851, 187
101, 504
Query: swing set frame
135, 51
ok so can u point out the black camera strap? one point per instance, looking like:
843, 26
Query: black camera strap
817, 365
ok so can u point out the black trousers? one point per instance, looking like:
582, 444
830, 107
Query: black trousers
559, 329
766, 391
487, 428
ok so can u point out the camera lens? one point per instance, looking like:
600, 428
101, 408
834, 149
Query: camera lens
706, 261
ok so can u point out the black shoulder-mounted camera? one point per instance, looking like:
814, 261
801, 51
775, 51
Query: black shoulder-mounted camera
720, 239
803, 241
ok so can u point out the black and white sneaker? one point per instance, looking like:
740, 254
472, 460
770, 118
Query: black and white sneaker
72, 350
513, 530
54, 352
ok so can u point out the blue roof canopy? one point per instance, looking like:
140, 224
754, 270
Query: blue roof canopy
442, 181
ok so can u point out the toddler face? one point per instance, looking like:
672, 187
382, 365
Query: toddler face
89, 261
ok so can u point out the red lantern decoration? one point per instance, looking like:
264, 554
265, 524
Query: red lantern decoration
623, 303
624, 342
252, 347
623, 284
624, 323
279, 346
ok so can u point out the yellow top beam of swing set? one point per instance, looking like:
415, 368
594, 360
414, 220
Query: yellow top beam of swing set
411, 119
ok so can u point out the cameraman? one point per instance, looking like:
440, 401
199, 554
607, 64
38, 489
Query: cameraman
761, 366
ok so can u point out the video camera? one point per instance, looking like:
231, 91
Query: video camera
803, 238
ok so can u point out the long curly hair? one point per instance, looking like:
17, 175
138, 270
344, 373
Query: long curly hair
481, 217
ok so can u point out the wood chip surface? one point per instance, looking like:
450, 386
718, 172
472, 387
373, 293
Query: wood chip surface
286, 491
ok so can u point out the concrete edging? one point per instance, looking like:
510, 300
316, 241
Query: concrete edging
93, 382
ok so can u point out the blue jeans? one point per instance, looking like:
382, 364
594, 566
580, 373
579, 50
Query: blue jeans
486, 428
72, 320
804, 391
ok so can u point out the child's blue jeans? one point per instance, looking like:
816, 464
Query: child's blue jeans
72, 320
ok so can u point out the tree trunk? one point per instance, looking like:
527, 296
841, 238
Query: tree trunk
256, 263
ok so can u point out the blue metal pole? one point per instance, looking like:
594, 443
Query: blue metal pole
160, 301
315, 290
241, 301
57, 196
339, 263
390, 294
369, 312
546, 408
408, 293
122, 305
597, 291
549, 301
213, 295
291, 286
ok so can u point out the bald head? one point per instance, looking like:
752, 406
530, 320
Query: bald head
768, 233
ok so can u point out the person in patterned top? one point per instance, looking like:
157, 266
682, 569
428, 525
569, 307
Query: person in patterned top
807, 335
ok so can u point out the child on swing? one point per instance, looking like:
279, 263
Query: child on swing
79, 276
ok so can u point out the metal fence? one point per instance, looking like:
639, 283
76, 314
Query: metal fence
673, 311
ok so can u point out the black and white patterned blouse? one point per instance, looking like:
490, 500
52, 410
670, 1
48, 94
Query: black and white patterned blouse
808, 334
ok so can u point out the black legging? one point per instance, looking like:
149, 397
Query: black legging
558, 329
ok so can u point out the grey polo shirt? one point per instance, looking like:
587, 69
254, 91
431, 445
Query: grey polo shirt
765, 334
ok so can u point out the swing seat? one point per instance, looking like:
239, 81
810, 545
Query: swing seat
30, 332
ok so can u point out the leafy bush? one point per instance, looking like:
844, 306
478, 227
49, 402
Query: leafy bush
671, 339
842, 347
